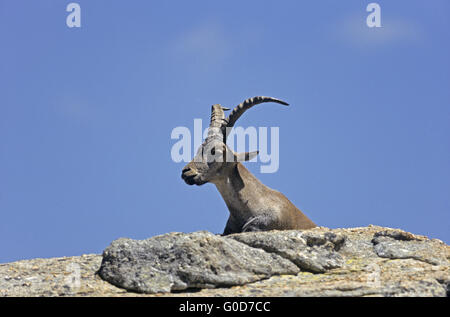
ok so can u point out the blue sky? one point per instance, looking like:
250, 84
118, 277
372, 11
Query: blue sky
86, 115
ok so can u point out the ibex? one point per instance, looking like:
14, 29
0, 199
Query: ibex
252, 205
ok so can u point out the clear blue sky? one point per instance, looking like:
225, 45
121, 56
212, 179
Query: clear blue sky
86, 114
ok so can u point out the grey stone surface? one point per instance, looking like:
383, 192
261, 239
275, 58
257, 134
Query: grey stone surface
396, 244
179, 261
67, 276
372, 261
313, 252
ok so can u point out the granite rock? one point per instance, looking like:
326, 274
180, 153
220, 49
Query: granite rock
313, 252
179, 261
364, 261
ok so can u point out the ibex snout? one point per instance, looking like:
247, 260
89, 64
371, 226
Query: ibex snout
188, 174
191, 176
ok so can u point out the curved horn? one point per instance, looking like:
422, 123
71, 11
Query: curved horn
217, 122
247, 104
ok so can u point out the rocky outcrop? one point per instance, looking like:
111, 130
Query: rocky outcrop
367, 261
178, 261
315, 252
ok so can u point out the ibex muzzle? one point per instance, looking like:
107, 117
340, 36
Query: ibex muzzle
252, 205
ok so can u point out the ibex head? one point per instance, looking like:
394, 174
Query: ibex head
214, 158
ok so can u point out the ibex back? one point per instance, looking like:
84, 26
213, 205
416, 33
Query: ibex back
252, 205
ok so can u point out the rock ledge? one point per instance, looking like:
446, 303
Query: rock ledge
365, 261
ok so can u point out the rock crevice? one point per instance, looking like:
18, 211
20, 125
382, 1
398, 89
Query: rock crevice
311, 252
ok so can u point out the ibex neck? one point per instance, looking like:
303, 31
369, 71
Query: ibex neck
241, 191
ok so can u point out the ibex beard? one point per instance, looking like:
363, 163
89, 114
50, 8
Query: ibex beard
252, 205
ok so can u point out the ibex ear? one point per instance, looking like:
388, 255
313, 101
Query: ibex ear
247, 156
